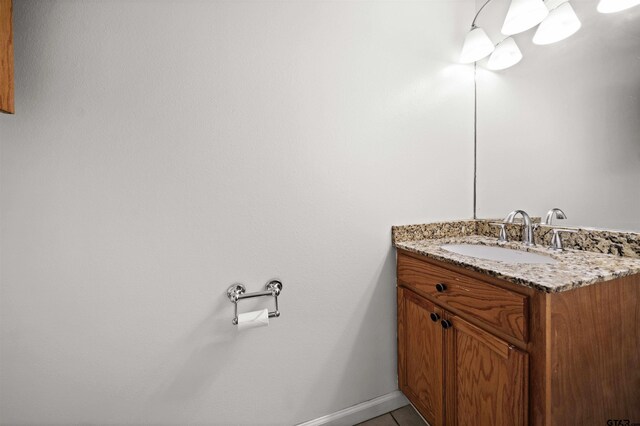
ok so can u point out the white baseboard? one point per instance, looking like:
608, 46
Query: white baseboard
361, 412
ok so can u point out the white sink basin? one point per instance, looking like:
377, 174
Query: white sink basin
500, 254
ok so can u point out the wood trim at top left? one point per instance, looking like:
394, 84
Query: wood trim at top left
6, 57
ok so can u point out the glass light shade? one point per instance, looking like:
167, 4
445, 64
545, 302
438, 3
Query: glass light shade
477, 45
560, 24
612, 6
522, 15
552, 4
505, 55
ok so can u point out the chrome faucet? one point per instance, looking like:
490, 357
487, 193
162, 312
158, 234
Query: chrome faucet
527, 232
554, 212
556, 239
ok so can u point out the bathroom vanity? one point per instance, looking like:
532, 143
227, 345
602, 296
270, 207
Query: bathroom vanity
484, 342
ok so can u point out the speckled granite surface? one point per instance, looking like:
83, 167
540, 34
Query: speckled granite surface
573, 268
594, 240
456, 228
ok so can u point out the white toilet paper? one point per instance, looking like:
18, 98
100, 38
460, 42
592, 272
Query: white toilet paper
253, 319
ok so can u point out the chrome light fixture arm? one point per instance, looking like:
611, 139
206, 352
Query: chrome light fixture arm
473, 23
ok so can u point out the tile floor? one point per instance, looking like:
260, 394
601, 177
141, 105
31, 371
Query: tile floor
404, 416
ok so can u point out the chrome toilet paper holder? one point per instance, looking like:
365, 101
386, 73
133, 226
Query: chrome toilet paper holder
238, 292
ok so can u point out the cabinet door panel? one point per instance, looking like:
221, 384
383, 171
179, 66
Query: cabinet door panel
6, 57
486, 378
420, 346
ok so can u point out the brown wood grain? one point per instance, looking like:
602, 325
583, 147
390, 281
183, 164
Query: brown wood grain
401, 336
500, 308
595, 363
420, 349
486, 378
527, 291
6, 57
539, 349
580, 364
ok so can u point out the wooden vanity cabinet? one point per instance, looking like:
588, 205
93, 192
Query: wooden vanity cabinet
485, 376
421, 354
6, 57
477, 350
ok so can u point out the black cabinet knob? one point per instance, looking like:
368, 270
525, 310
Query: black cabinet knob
445, 324
434, 317
441, 287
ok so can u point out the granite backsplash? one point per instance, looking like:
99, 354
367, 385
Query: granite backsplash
616, 243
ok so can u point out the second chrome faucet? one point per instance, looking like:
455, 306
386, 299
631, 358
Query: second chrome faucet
528, 236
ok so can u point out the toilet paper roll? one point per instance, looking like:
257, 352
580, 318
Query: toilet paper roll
253, 319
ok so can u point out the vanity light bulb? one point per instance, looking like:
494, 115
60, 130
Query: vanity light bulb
477, 45
561, 23
612, 6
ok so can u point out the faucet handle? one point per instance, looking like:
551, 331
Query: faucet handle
556, 238
502, 238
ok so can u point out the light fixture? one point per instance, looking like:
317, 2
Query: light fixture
522, 15
561, 23
612, 6
505, 55
477, 45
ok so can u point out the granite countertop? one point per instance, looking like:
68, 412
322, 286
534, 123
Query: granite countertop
573, 267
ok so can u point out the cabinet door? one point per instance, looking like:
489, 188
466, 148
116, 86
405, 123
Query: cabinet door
6, 57
420, 346
486, 378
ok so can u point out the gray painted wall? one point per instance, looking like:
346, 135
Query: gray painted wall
164, 150
562, 128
